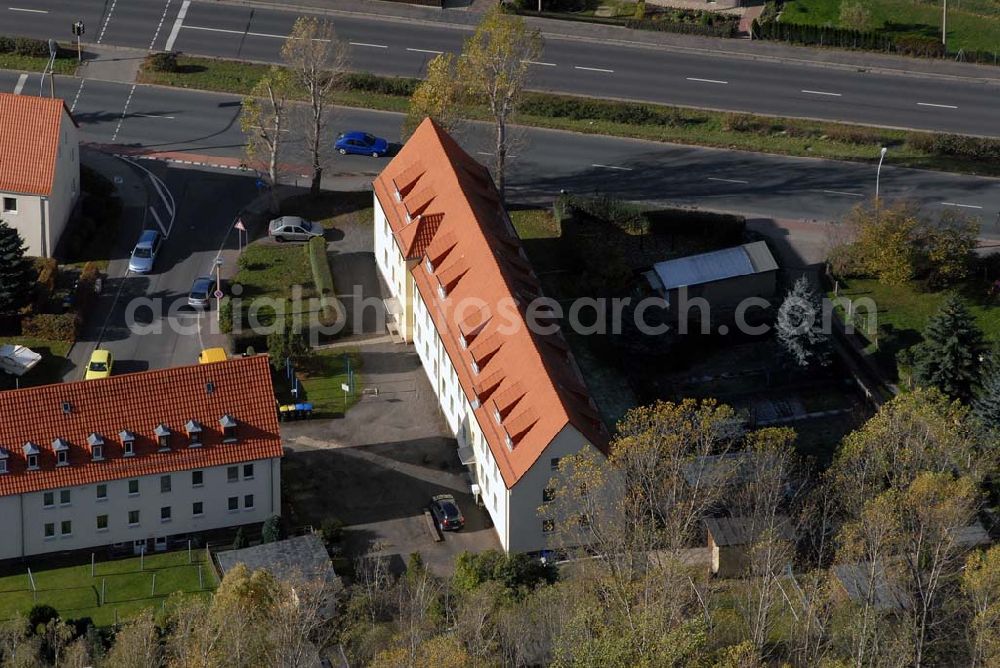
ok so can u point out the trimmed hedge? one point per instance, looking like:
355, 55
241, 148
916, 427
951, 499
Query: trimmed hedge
961, 146
323, 278
25, 46
373, 83
685, 21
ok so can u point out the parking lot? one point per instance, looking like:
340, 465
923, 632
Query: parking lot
377, 469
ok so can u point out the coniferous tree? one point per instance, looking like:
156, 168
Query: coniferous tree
951, 355
987, 405
800, 326
17, 273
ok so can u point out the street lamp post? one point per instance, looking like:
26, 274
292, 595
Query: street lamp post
218, 289
944, 25
878, 174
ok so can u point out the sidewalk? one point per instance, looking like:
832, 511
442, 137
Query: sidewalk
466, 16
109, 63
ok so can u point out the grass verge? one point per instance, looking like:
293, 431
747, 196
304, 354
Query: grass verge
48, 371
74, 593
972, 24
744, 132
13, 61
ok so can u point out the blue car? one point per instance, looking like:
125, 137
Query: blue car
361, 143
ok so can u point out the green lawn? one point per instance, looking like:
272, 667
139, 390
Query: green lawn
10, 61
903, 311
270, 274
534, 223
972, 24
48, 371
680, 125
74, 593
322, 377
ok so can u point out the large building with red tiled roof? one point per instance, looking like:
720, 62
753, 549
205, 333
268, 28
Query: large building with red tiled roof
39, 168
140, 459
460, 290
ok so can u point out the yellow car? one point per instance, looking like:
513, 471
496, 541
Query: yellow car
209, 355
100, 364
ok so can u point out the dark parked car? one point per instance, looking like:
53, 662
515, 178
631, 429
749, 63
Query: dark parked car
446, 512
361, 143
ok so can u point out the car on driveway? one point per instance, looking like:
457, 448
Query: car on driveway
446, 513
293, 228
200, 291
361, 143
145, 251
100, 364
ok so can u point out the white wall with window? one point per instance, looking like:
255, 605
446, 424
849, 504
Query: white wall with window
140, 508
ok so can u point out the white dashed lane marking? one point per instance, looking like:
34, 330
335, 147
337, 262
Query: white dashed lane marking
20, 83
821, 92
621, 169
937, 106
371, 46
594, 69
961, 206
712, 178
711, 81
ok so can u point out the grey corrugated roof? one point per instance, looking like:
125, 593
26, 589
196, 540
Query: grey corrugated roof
854, 578
740, 530
304, 555
753, 258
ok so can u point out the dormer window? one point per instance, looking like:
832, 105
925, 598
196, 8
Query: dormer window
496, 415
428, 266
462, 341
128, 443
442, 292
475, 367
61, 448
31, 453
193, 430
3, 461
507, 439
96, 443
228, 424
162, 432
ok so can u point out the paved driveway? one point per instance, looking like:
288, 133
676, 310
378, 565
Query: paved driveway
377, 468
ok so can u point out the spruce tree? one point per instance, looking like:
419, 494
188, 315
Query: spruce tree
800, 327
987, 405
17, 273
951, 355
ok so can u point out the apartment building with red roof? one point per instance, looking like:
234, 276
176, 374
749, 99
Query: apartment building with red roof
139, 460
461, 288
39, 168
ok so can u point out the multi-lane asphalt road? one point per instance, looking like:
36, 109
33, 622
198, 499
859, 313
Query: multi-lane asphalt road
545, 161
605, 69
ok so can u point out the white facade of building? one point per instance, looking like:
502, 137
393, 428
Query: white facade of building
142, 510
514, 511
41, 219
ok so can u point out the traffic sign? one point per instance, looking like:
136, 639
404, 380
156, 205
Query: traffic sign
78, 28
219, 294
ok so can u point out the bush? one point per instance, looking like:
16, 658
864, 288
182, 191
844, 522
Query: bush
373, 83
40, 615
333, 530
916, 45
735, 122
6, 44
855, 134
29, 46
959, 146
165, 61
48, 272
51, 326
86, 288
272, 530
323, 278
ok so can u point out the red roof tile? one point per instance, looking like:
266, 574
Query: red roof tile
476, 255
138, 402
29, 142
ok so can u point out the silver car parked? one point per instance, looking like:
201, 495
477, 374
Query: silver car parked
293, 228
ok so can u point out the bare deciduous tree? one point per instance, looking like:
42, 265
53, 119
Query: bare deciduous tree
264, 119
316, 60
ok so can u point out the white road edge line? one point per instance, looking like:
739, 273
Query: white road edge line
169, 46
124, 110
962, 206
373, 46
32, 11
939, 106
841, 192
593, 69
425, 51
715, 81
712, 178
621, 169
821, 92
20, 83
535, 62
